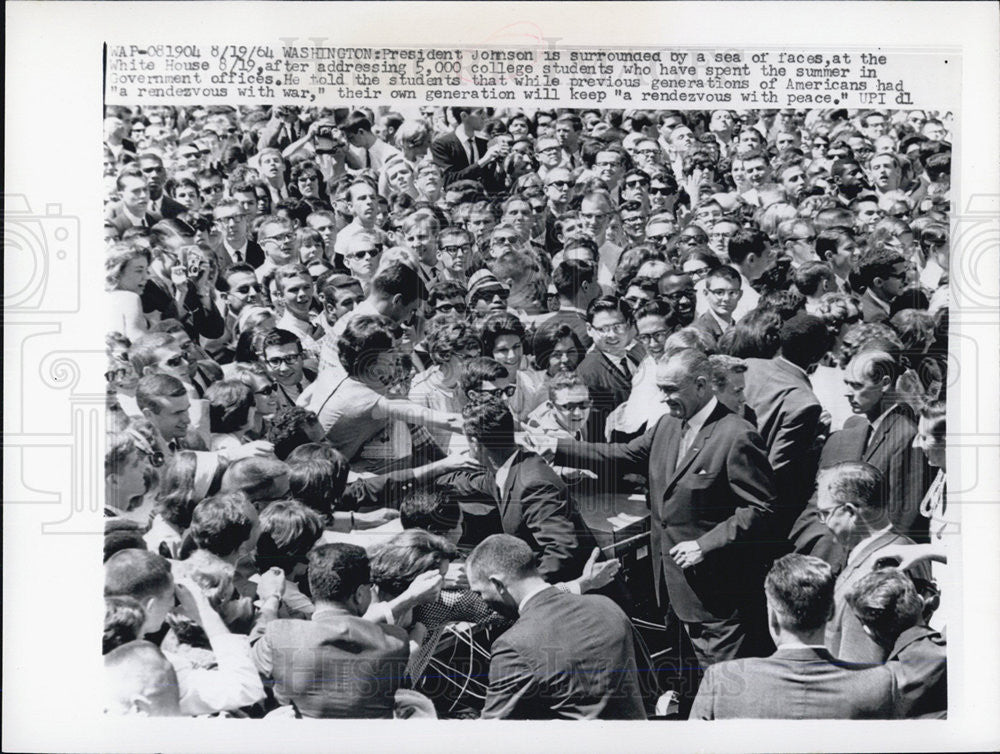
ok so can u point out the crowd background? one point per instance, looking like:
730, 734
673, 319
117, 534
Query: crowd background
364, 369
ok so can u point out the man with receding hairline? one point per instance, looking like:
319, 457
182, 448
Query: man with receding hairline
139, 680
567, 657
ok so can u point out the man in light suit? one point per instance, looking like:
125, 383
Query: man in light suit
850, 504
711, 494
464, 155
882, 435
534, 503
567, 657
789, 415
337, 664
802, 680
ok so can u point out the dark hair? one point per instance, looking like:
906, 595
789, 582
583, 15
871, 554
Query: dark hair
154, 387
431, 510
727, 273
489, 422
254, 477
569, 276
810, 275
800, 589
887, 602
495, 325
336, 571
220, 524
396, 563
288, 531
786, 303
480, 370
229, 404
175, 498
444, 290
744, 242
397, 278
756, 336
546, 339
135, 573
364, 338
609, 304
287, 429
122, 534
316, 481
804, 340
356, 121
878, 263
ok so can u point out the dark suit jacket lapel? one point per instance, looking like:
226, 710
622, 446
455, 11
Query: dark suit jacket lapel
886, 428
700, 441
508, 484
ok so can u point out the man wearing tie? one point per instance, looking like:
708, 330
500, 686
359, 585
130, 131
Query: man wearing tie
464, 155
711, 496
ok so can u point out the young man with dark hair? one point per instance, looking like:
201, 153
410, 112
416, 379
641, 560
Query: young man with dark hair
576, 284
608, 368
723, 290
465, 155
883, 273
802, 679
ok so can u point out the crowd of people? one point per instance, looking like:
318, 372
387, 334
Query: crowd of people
370, 372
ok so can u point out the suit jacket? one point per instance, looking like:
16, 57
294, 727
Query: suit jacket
906, 474
872, 311
568, 657
709, 325
609, 387
788, 417
844, 634
796, 683
721, 494
920, 663
335, 665
169, 208
535, 506
121, 222
449, 155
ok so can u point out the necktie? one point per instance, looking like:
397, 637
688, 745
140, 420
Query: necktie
682, 447
368, 159
473, 153
626, 367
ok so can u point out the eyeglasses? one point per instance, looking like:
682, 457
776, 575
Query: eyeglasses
506, 240
657, 336
618, 328
490, 293
498, 392
113, 375
455, 250
266, 391
678, 295
230, 220
612, 164
370, 253
281, 237
698, 273
648, 152
636, 183
275, 362
574, 406
725, 292
447, 308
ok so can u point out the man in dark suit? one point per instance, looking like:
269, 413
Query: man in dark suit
576, 283
609, 367
883, 274
160, 205
567, 657
133, 209
463, 155
883, 438
337, 664
802, 680
892, 612
789, 415
711, 494
237, 244
534, 503
850, 504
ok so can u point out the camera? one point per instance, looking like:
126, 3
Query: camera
328, 139
42, 258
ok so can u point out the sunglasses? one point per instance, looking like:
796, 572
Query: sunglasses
369, 253
574, 406
660, 191
498, 392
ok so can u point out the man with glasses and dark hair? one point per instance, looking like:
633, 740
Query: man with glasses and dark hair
454, 251
609, 366
883, 273
276, 237
282, 357
484, 378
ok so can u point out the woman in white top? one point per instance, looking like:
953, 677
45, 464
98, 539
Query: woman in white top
126, 269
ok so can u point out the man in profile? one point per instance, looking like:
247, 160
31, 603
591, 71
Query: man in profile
567, 657
801, 680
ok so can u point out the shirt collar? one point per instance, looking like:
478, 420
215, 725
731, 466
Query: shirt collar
135, 219
504, 471
570, 308
696, 422
722, 323
882, 304
881, 418
795, 367
529, 595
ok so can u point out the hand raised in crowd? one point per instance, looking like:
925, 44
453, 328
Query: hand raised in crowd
271, 584
597, 575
